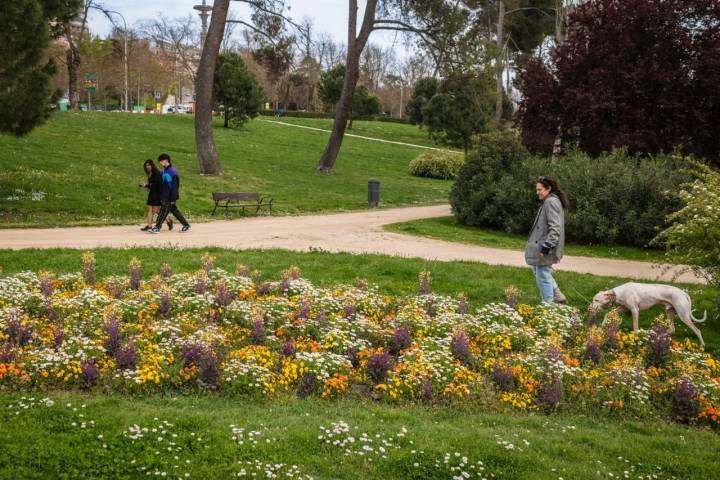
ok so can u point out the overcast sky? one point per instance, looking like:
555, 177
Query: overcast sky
328, 16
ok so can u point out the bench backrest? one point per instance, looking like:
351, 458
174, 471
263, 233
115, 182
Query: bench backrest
236, 196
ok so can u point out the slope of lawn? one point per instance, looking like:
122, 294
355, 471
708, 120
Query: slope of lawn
481, 283
396, 132
84, 168
448, 228
75, 436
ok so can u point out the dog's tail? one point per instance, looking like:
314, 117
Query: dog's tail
692, 315
698, 320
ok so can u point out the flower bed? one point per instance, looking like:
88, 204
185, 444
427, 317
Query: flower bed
236, 334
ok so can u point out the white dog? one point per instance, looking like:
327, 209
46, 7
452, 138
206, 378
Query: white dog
635, 297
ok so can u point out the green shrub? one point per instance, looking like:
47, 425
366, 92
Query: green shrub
443, 164
693, 237
615, 199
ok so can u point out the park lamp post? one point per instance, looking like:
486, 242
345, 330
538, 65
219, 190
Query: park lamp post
204, 10
125, 52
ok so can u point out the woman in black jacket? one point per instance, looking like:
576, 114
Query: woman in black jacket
154, 186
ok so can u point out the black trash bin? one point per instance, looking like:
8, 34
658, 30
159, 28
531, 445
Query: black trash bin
374, 193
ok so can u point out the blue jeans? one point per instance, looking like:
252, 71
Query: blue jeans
545, 282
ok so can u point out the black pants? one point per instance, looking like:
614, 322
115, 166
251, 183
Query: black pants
165, 210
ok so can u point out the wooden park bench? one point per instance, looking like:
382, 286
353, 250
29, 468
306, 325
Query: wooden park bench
242, 200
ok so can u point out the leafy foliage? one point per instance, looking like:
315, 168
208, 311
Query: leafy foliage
443, 164
424, 90
694, 236
460, 109
237, 92
25, 77
635, 74
615, 199
330, 86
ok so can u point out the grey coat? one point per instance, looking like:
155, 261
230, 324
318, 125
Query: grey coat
548, 231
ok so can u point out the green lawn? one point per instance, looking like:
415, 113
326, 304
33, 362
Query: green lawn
448, 228
83, 168
94, 436
396, 276
397, 132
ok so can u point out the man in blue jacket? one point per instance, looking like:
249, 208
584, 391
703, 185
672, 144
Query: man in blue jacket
170, 195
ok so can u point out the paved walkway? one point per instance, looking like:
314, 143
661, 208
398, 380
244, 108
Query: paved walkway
357, 232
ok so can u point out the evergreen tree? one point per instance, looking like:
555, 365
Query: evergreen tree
330, 87
25, 77
237, 92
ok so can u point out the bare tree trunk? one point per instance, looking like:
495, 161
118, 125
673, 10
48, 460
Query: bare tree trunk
73, 65
356, 44
500, 60
206, 150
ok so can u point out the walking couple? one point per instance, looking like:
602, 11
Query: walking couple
163, 193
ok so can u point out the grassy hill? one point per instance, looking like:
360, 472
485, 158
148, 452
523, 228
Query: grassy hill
83, 168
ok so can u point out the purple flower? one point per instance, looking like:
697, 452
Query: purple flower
116, 289
377, 367
593, 352
611, 339
166, 271
223, 296
126, 356
284, 286
191, 353
349, 310
258, 332
686, 404
592, 317
135, 274
59, 337
89, 267
242, 271
554, 354
19, 334
424, 283
463, 304
304, 311
430, 308
659, 343
200, 284
7, 355
46, 285
114, 337
307, 386
51, 313
209, 363
165, 305
401, 339
288, 349
207, 263
460, 347
361, 284
503, 377
88, 374
550, 394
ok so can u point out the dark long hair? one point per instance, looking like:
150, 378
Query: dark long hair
551, 182
153, 169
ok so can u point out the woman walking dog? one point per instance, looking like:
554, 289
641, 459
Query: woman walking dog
545, 246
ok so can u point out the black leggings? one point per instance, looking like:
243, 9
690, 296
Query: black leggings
165, 210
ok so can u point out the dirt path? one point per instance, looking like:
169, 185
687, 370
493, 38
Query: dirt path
356, 232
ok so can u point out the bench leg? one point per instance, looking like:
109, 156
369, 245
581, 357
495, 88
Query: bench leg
216, 205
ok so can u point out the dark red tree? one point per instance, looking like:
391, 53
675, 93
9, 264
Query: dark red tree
631, 73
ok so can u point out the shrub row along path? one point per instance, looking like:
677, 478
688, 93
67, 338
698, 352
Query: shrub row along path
357, 232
